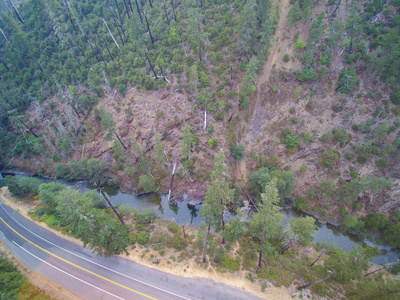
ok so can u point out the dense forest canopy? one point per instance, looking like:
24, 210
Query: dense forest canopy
62, 47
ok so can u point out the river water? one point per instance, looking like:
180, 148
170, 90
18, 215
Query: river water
183, 213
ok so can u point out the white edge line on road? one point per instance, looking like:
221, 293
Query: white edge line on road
97, 264
67, 272
2, 232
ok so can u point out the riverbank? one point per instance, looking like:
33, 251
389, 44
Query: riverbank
169, 262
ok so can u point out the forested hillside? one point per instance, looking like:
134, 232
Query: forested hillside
238, 103
128, 92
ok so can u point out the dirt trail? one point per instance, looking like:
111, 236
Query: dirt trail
278, 49
280, 42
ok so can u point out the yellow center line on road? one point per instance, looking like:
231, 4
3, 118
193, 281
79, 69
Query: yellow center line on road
72, 264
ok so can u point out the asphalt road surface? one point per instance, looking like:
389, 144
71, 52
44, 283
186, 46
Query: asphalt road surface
89, 276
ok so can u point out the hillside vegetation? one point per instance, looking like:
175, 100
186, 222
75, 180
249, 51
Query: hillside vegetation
238, 103
125, 92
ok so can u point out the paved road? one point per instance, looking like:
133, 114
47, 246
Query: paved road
89, 276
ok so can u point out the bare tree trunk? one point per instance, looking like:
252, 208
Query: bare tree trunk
148, 27
83, 150
95, 54
76, 43
109, 31
151, 4
173, 9
200, 49
319, 256
105, 43
205, 118
231, 79
202, 6
287, 246
138, 11
315, 282
248, 196
184, 233
127, 10
216, 260
73, 53
260, 256
130, 5
16, 11
98, 51
30, 129
172, 181
223, 226
112, 206
72, 13
374, 271
152, 146
151, 66
183, 46
265, 263
119, 12
166, 14
205, 245
84, 119
4, 64
162, 73
120, 141
337, 6
5, 37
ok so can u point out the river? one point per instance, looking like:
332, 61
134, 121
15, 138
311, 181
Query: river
183, 213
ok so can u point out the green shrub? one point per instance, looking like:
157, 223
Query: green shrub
395, 96
210, 129
328, 158
62, 171
51, 220
286, 57
231, 94
395, 215
212, 142
354, 174
146, 216
307, 137
178, 243
236, 151
195, 139
347, 80
391, 234
341, 136
348, 222
230, 263
143, 238
173, 227
349, 155
301, 203
292, 141
147, 183
326, 137
299, 45
307, 75
381, 163
362, 158
375, 222
21, 186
